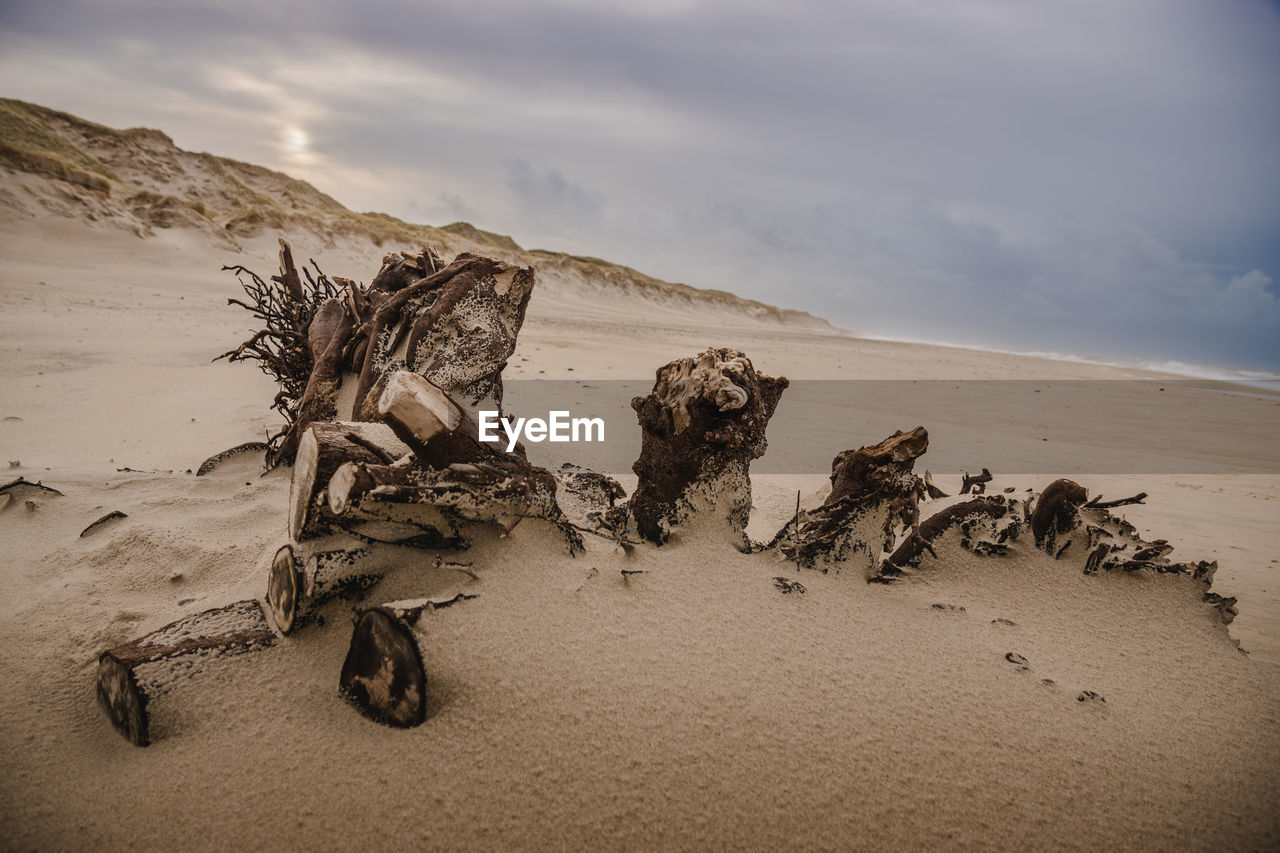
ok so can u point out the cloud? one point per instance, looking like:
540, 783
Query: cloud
547, 193
1101, 175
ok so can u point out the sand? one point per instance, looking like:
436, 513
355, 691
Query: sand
690, 706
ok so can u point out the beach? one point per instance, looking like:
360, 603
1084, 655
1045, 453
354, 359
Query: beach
665, 697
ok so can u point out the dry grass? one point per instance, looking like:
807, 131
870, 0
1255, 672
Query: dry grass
52, 165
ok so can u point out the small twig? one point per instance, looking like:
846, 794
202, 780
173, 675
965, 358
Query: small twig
108, 517
1098, 503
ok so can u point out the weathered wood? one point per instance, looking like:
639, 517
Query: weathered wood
1120, 548
383, 674
878, 468
418, 412
217, 459
912, 550
288, 272
131, 675
702, 424
301, 581
327, 336
285, 307
931, 489
111, 516
21, 490
1056, 512
977, 484
456, 327
1098, 503
324, 448
432, 499
872, 490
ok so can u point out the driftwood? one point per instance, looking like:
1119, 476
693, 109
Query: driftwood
970, 516
111, 516
383, 674
1099, 503
456, 327
324, 448
931, 489
1057, 512
132, 675
872, 489
451, 480
217, 459
702, 424
331, 344
976, 484
285, 307
298, 587
1114, 545
24, 490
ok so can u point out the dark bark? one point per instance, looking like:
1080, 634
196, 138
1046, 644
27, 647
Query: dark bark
1056, 512
872, 490
701, 426
878, 468
111, 516
977, 484
912, 550
21, 490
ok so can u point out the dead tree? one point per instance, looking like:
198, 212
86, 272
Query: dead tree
285, 307
332, 344
383, 674
702, 424
872, 488
456, 327
132, 675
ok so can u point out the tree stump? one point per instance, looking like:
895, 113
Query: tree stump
456, 327
871, 490
702, 424
332, 345
1057, 512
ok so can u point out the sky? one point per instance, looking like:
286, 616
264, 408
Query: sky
1083, 176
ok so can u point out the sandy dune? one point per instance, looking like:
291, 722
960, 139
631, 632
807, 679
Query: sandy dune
690, 706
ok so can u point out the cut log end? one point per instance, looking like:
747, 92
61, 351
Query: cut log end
303, 483
122, 700
348, 483
282, 589
383, 673
417, 410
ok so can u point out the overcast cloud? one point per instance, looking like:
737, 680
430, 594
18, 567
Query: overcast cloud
1084, 176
